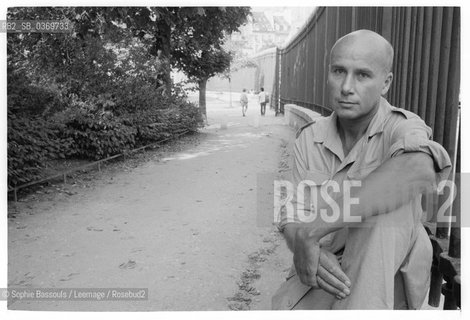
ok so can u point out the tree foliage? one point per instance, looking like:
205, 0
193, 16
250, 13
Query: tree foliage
198, 44
87, 94
105, 87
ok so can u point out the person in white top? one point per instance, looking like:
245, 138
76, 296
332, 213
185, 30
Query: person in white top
244, 102
262, 101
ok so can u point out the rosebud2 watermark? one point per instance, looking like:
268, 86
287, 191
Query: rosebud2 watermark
279, 200
284, 197
80, 294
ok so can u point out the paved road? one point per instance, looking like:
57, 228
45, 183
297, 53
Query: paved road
182, 224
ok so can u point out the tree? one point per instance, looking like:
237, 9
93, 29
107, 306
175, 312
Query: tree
239, 60
89, 93
197, 47
88, 64
188, 38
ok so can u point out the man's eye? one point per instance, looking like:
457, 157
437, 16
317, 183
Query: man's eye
363, 75
338, 71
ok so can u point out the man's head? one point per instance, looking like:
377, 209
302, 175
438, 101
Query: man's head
359, 73
262, 89
244, 90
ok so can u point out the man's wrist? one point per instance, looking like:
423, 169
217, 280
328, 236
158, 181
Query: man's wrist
307, 233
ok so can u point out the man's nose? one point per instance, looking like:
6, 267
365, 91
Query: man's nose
348, 85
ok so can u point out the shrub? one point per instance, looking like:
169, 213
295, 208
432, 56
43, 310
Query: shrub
134, 95
88, 130
154, 124
28, 99
31, 142
96, 136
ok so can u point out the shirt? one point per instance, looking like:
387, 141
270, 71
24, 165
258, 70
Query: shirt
262, 97
318, 152
243, 98
319, 157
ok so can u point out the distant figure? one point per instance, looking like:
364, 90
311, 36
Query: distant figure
244, 102
263, 99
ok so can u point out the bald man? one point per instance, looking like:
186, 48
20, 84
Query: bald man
368, 163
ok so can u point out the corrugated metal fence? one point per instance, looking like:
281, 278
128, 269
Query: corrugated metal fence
426, 81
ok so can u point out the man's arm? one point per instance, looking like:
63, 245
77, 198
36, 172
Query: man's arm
329, 275
395, 183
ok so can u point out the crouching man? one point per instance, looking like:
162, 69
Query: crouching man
373, 252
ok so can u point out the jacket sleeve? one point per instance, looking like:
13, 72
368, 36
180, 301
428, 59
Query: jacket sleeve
413, 135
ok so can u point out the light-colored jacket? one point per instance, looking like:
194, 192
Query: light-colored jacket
243, 98
262, 97
392, 244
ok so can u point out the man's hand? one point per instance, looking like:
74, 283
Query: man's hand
306, 257
329, 276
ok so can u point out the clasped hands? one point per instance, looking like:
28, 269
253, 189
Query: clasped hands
328, 275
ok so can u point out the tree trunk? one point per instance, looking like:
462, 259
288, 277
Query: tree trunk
230, 89
163, 41
202, 99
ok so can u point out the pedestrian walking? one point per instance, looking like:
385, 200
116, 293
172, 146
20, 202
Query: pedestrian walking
263, 99
244, 101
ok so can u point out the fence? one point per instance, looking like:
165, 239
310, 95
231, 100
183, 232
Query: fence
426, 81
63, 175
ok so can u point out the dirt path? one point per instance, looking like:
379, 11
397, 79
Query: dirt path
182, 224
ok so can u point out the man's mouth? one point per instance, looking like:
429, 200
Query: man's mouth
346, 103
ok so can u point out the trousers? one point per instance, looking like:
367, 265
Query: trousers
388, 260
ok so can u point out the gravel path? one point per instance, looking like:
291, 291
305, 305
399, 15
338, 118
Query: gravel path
183, 222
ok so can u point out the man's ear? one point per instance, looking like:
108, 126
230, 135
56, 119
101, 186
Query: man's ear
387, 83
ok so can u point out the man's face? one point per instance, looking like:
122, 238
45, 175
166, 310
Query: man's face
356, 79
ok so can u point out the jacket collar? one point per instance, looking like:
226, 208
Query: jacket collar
378, 121
329, 134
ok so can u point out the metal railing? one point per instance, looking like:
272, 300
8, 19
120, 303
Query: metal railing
97, 164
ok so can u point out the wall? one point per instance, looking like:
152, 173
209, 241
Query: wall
244, 78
